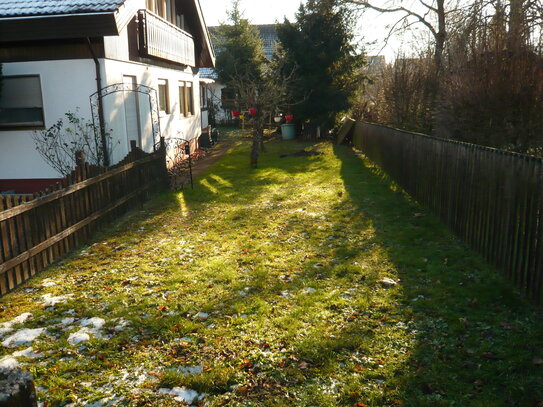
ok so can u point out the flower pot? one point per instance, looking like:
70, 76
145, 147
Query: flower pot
288, 131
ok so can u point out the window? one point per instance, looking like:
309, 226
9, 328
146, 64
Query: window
21, 103
163, 99
182, 98
190, 99
186, 99
203, 96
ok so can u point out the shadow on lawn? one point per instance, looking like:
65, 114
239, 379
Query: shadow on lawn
477, 342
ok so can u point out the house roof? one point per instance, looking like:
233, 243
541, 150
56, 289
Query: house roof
20, 8
22, 20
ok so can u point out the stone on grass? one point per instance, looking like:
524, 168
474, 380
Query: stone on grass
17, 389
202, 316
388, 282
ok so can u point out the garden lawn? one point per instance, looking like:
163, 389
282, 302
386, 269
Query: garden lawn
265, 288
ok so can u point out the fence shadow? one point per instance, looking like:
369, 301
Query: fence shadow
474, 336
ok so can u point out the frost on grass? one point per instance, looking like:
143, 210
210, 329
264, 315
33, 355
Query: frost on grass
7, 327
183, 394
22, 337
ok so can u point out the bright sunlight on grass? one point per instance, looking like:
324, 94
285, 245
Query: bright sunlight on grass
265, 288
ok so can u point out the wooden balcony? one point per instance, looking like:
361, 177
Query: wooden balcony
161, 39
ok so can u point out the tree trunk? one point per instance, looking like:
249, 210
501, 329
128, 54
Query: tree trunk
257, 138
517, 26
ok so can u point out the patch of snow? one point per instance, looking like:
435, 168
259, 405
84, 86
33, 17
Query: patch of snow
7, 327
71, 312
121, 325
285, 294
9, 363
48, 283
78, 337
201, 316
96, 323
27, 353
182, 394
191, 370
309, 290
22, 337
67, 321
49, 300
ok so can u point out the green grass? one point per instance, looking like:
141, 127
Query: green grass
286, 260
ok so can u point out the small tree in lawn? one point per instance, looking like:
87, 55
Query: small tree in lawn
258, 85
320, 44
265, 96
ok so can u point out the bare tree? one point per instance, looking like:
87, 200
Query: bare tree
431, 14
268, 94
59, 144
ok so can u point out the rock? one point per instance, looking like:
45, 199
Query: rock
388, 282
201, 316
17, 389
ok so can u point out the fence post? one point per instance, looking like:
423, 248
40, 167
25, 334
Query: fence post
80, 158
165, 175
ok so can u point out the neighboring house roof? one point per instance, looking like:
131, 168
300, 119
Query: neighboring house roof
19, 8
208, 73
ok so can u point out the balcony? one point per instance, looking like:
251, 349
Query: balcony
161, 39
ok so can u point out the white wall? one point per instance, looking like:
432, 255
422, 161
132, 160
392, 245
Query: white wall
172, 125
66, 85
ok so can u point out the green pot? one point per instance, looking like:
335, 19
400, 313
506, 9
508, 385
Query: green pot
288, 131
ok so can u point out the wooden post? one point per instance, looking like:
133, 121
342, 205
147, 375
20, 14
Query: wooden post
17, 389
79, 158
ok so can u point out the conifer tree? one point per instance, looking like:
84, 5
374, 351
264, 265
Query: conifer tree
320, 44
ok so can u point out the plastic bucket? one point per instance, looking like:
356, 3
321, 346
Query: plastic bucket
288, 131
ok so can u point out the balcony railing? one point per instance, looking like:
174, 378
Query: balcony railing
161, 39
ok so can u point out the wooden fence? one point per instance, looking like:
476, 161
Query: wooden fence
36, 231
490, 198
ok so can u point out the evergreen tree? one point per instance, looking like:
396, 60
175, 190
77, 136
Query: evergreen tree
240, 52
320, 44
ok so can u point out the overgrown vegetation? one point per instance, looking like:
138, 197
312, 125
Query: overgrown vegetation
265, 288
486, 88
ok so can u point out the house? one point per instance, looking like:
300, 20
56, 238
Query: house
139, 58
220, 100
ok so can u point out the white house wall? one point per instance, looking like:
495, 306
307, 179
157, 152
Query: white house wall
172, 125
66, 86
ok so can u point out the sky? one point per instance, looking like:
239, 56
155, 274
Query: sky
371, 32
